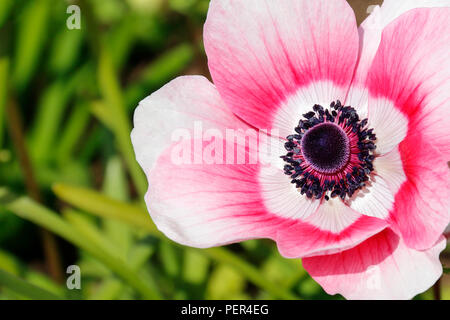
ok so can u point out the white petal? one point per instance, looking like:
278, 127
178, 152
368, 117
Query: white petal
390, 168
382, 267
333, 216
280, 196
389, 124
375, 200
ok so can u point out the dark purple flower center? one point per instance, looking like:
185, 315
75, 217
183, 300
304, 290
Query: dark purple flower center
331, 152
326, 147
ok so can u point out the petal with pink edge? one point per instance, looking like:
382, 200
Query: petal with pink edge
334, 227
262, 53
420, 214
204, 205
370, 36
382, 267
316, 228
198, 193
180, 104
411, 73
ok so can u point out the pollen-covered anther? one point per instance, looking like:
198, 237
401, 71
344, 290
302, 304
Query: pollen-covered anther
331, 152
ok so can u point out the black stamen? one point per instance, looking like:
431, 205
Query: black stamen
320, 148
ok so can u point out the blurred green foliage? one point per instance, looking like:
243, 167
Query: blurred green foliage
76, 91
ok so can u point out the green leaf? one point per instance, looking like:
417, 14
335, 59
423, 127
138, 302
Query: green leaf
50, 115
5, 9
115, 185
168, 65
24, 288
30, 210
170, 259
276, 270
251, 272
195, 267
182, 6
50, 110
109, 290
226, 283
30, 41
118, 118
43, 281
66, 48
121, 39
161, 70
105, 207
101, 112
72, 132
90, 232
12, 265
9, 263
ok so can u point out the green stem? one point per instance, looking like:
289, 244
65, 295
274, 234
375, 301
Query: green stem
16, 132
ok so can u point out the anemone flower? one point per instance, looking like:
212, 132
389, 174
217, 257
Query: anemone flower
349, 171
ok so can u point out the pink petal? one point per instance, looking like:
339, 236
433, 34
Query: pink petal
219, 204
201, 204
198, 202
382, 267
333, 228
204, 205
370, 36
420, 211
178, 105
411, 73
266, 55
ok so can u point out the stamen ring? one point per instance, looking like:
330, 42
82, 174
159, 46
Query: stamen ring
331, 153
